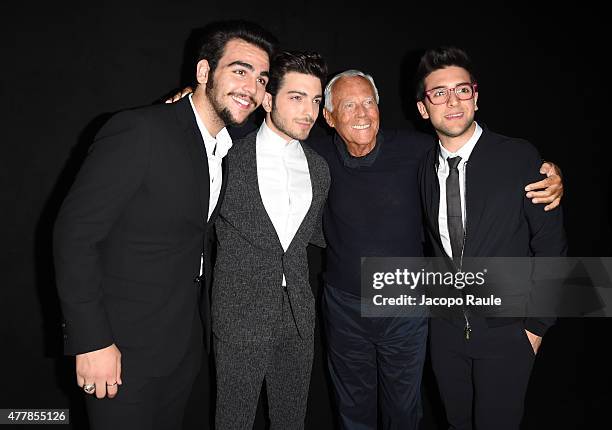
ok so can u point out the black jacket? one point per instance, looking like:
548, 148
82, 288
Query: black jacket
501, 221
129, 236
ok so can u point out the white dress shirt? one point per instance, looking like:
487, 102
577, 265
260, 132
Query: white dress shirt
443, 171
216, 149
284, 183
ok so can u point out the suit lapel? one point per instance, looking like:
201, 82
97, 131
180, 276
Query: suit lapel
249, 171
224, 175
197, 152
433, 197
249, 167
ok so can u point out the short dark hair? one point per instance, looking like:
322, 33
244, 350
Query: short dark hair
308, 63
216, 35
440, 58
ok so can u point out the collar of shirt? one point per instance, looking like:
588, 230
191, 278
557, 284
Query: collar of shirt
269, 142
354, 162
215, 146
464, 152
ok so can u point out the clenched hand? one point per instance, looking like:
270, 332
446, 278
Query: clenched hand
102, 368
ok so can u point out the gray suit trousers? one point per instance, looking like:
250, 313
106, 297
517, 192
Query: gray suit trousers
284, 362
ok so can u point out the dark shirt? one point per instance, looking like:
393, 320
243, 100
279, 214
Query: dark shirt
355, 162
373, 207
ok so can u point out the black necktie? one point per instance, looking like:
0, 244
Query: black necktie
454, 216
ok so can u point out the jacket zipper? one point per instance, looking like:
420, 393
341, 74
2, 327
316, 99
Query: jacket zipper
468, 327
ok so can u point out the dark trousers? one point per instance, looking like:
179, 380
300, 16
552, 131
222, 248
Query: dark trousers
371, 359
482, 380
284, 362
145, 402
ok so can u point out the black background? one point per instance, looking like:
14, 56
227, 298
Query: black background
66, 68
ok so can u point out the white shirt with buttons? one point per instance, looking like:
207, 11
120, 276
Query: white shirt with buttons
443, 171
216, 148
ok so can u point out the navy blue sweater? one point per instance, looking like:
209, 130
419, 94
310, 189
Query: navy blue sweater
373, 207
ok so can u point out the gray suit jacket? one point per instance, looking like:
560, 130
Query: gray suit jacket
247, 288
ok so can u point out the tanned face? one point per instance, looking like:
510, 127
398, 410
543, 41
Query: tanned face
355, 114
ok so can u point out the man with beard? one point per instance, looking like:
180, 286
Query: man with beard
129, 237
373, 209
263, 309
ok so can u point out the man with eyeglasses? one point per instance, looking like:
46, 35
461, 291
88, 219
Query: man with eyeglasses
482, 364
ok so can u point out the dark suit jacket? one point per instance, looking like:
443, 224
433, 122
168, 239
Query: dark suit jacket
247, 292
129, 236
501, 221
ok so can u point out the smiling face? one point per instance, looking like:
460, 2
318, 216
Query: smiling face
237, 86
295, 108
355, 115
453, 120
